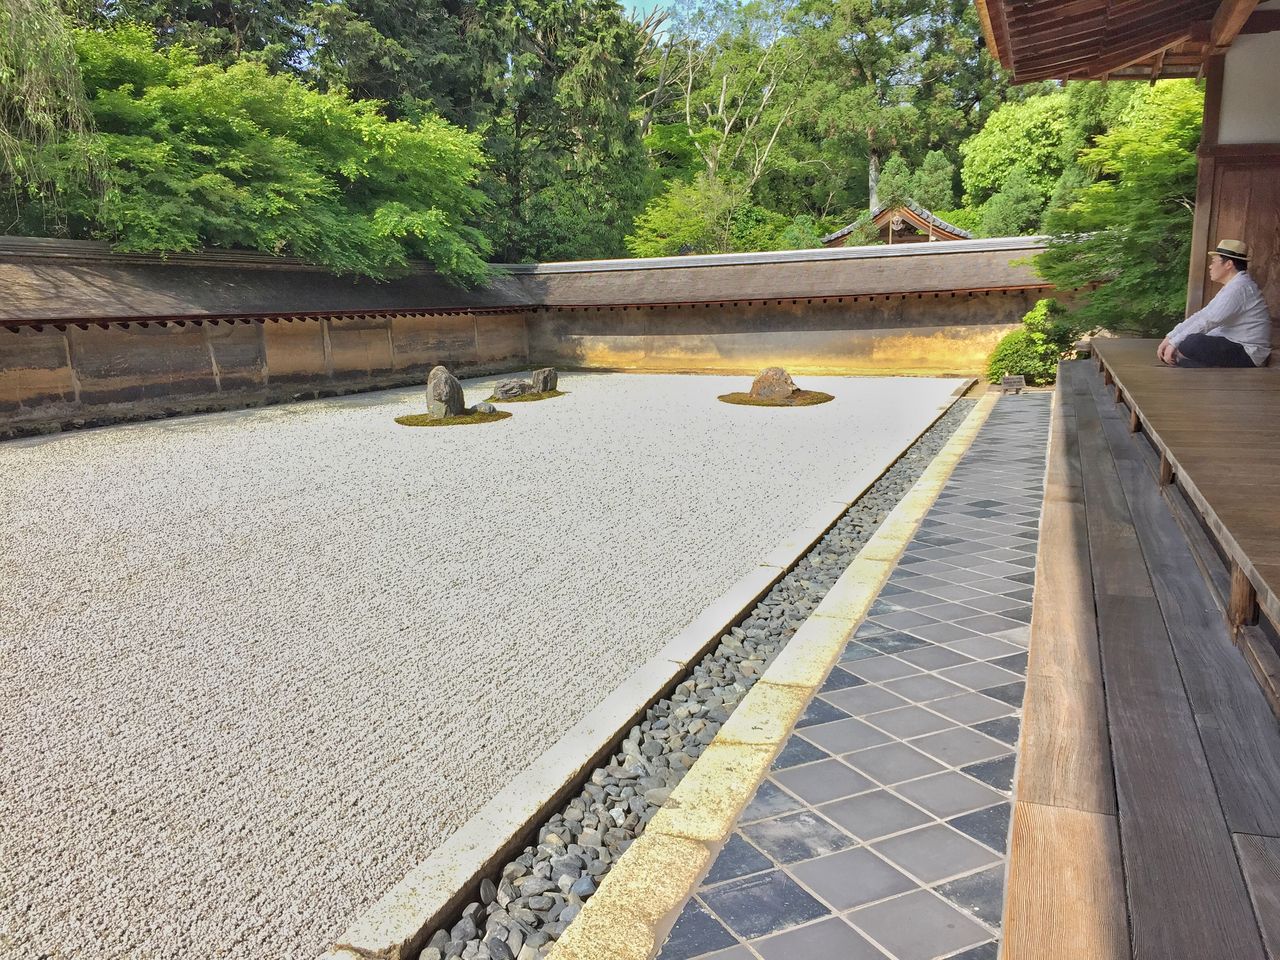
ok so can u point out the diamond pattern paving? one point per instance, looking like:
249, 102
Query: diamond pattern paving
881, 830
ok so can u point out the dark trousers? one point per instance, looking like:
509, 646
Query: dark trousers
1202, 350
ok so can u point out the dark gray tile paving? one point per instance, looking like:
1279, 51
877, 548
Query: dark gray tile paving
910, 870
852, 878
892, 763
799, 836
798, 750
997, 773
959, 746
819, 711
839, 679
934, 852
737, 858
695, 933
949, 793
827, 938
762, 904
870, 816
770, 801
820, 782
981, 894
845, 736
910, 721
989, 826
918, 926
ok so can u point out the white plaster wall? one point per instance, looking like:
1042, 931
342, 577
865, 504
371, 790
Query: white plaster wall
1251, 88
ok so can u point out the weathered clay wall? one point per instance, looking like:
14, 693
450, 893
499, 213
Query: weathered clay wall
923, 335
51, 377
90, 336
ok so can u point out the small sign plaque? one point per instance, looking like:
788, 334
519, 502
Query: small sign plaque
1016, 384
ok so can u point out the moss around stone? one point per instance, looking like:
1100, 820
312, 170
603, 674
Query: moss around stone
426, 420
525, 397
801, 398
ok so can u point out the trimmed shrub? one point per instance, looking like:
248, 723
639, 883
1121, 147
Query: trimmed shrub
1048, 335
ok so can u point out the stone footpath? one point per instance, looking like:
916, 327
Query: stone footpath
881, 829
521, 912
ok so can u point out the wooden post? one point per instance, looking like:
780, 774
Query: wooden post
1119, 395
1166, 469
1243, 606
1107, 379
1135, 424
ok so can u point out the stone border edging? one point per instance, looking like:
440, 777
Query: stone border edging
641, 896
394, 927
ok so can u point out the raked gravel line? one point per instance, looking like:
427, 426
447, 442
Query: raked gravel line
257, 664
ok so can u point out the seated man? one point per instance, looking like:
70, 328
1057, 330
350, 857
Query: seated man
1233, 329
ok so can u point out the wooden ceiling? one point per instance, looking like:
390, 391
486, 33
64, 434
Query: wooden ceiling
1110, 39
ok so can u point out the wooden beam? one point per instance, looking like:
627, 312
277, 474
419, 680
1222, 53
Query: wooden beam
1229, 21
1166, 469
1242, 609
1135, 422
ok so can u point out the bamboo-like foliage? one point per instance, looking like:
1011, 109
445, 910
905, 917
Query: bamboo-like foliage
42, 106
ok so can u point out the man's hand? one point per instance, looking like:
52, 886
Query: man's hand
1167, 352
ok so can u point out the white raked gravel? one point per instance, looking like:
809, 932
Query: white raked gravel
255, 665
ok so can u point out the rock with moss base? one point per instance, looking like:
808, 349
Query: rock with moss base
774, 383
506, 389
444, 394
485, 407
544, 380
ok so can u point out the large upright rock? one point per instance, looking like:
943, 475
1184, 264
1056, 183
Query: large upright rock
444, 394
774, 383
545, 380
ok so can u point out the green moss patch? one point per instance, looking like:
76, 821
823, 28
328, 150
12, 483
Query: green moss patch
526, 397
424, 420
801, 398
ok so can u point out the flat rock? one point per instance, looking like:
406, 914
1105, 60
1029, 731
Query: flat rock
774, 383
506, 389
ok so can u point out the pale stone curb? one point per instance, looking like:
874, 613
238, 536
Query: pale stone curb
396, 927
639, 900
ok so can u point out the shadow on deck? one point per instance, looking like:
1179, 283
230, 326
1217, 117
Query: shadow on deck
1147, 814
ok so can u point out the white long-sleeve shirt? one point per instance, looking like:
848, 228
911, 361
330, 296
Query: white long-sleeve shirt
1238, 313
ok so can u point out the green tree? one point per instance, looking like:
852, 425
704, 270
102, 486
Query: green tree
43, 114
1027, 136
1015, 209
896, 183
234, 157
1131, 230
570, 171
895, 76
932, 184
696, 217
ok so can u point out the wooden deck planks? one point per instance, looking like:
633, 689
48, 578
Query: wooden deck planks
1260, 858
1218, 429
1066, 890
1066, 759
1240, 737
1171, 824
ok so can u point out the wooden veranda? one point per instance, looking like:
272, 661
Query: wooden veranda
1147, 804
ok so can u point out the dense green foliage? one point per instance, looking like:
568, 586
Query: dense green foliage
361, 133
1130, 231
236, 157
1048, 334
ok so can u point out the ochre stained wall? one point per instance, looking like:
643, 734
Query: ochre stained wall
924, 335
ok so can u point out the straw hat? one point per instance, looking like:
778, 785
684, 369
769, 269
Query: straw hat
1233, 248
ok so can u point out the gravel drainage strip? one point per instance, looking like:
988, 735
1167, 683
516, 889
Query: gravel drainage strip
525, 907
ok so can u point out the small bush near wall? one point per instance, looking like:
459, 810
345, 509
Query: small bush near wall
1048, 334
